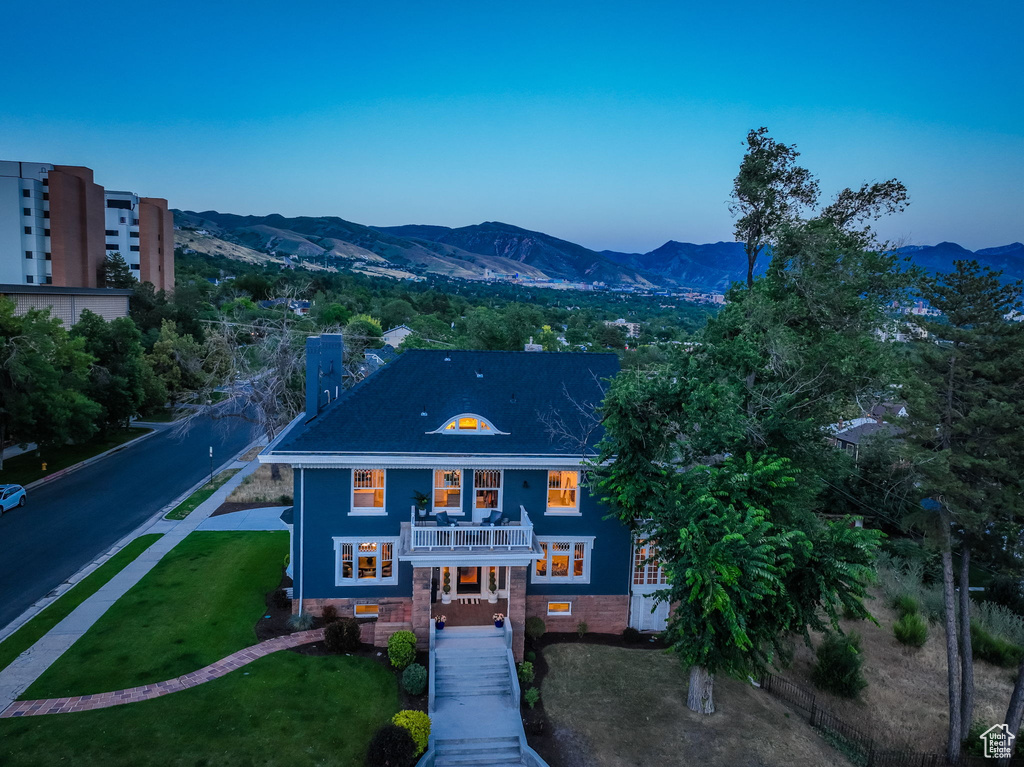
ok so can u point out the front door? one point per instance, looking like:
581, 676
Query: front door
644, 616
486, 493
468, 580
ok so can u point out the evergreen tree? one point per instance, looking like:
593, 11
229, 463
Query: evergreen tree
115, 272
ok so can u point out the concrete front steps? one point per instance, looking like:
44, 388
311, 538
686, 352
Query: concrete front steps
471, 661
478, 752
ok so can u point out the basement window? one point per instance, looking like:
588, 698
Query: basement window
366, 611
559, 608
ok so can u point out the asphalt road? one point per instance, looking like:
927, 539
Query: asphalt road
67, 523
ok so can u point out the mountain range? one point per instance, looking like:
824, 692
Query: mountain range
494, 248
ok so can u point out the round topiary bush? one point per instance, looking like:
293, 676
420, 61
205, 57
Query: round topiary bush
391, 746
630, 635
414, 679
535, 628
402, 649
838, 668
911, 630
343, 635
418, 725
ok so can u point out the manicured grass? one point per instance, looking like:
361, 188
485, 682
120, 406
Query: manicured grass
164, 415
191, 503
284, 710
28, 467
54, 613
197, 605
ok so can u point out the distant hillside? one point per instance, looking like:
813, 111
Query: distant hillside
713, 267
1009, 259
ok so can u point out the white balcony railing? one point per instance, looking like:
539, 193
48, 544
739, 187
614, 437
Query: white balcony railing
429, 535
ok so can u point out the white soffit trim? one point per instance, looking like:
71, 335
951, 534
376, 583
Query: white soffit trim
386, 461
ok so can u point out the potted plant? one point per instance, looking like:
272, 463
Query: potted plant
492, 588
439, 622
499, 621
446, 589
421, 503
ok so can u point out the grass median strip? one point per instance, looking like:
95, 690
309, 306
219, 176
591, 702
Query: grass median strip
28, 467
192, 503
37, 627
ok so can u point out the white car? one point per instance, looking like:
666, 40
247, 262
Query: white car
11, 496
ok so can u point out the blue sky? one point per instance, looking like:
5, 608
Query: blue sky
616, 125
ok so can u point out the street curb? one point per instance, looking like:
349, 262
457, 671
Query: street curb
88, 461
61, 589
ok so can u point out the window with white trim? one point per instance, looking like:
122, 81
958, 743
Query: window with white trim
565, 560
563, 492
448, 490
365, 611
368, 491
365, 563
487, 488
559, 608
647, 570
467, 423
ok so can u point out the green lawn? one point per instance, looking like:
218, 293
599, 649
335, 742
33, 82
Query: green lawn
284, 710
197, 605
28, 467
164, 415
54, 613
191, 503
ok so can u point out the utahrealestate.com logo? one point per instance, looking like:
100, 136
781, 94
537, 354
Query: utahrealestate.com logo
998, 742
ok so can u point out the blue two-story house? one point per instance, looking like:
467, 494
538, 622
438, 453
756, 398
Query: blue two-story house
450, 483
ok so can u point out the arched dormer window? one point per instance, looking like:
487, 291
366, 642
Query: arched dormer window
467, 423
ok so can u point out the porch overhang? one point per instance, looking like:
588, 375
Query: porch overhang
466, 556
422, 460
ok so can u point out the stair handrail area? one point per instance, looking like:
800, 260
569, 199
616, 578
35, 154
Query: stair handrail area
513, 674
430, 667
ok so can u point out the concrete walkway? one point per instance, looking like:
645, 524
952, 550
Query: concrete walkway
266, 518
147, 692
31, 664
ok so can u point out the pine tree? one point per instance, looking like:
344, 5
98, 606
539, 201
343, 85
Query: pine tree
115, 272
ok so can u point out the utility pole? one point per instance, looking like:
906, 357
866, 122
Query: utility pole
211, 465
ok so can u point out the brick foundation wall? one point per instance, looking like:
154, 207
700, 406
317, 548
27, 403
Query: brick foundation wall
420, 609
603, 614
395, 614
517, 609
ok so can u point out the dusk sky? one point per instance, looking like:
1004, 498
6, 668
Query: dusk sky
615, 125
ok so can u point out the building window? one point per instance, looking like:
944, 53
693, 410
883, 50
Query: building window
46, 195
448, 490
30, 279
563, 492
559, 608
133, 248
28, 254
46, 182
123, 204
135, 222
28, 230
366, 611
112, 246
133, 234
647, 571
134, 266
46, 233
48, 257
111, 233
467, 423
48, 280
123, 220
565, 560
46, 214
487, 488
365, 563
368, 491
27, 211
26, 193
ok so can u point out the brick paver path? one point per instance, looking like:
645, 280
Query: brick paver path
146, 692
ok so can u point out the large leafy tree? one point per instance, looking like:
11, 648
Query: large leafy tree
43, 377
966, 423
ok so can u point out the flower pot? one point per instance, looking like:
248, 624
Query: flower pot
499, 624
439, 625
492, 597
446, 598
421, 513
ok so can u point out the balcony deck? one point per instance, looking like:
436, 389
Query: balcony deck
428, 540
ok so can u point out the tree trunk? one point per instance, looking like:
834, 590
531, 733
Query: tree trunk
966, 659
275, 472
700, 697
952, 651
1015, 711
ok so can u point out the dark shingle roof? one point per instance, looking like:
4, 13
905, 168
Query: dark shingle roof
385, 353
382, 414
859, 434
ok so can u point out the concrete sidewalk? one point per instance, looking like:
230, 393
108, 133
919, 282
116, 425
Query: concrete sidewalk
30, 665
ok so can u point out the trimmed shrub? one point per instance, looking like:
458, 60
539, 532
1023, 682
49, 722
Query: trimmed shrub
630, 635
418, 725
911, 630
414, 679
526, 672
301, 622
535, 628
993, 649
281, 600
581, 629
329, 613
531, 696
530, 655
343, 636
402, 649
838, 668
906, 605
391, 746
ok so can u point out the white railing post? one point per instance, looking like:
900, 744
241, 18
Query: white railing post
472, 536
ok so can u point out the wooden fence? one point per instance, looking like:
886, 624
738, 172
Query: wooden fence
858, 743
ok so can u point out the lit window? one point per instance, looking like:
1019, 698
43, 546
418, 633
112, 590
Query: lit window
564, 560
362, 562
559, 608
448, 490
366, 611
647, 571
563, 492
368, 491
487, 488
467, 423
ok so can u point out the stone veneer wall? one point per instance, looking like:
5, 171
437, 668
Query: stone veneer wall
603, 614
518, 609
395, 614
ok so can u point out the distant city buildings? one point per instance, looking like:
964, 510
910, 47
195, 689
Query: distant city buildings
57, 226
632, 328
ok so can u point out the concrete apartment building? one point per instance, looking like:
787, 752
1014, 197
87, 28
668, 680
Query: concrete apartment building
57, 226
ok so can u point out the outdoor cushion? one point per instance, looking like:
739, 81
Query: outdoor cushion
442, 519
494, 518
